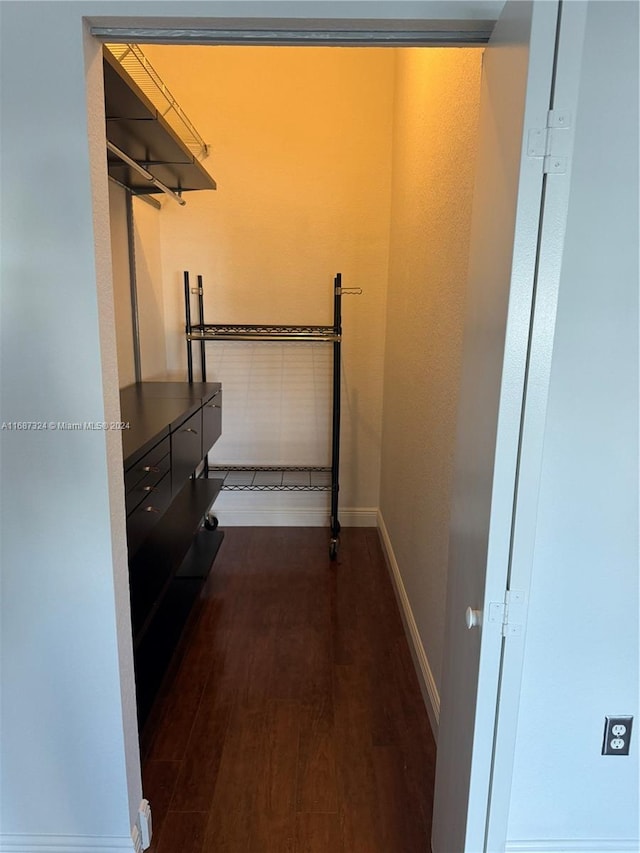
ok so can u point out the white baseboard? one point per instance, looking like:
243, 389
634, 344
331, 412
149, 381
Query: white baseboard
64, 844
230, 516
359, 517
426, 680
595, 845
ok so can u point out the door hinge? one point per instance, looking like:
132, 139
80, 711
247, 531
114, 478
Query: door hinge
551, 142
509, 613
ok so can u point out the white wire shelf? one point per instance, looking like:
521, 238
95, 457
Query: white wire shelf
272, 478
137, 65
208, 332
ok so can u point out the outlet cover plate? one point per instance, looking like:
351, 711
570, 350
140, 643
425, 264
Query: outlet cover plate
617, 735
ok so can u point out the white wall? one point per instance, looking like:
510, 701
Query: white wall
581, 653
435, 132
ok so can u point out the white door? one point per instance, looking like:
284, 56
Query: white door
516, 96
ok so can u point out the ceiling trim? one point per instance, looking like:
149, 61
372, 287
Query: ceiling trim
351, 34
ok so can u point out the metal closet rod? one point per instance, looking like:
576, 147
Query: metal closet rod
142, 171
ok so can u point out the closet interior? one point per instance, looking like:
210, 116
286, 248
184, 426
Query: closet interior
251, 189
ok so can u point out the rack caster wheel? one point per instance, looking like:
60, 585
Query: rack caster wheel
333, 549
210, 522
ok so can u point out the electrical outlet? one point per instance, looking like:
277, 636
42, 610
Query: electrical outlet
617, 734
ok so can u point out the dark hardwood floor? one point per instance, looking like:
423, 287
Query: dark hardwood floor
292, 721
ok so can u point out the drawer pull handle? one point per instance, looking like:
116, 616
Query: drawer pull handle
151, 509
148, 488
213, 406
151, 469
188, 429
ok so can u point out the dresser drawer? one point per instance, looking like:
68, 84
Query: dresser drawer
150, 468
186, 450
148, 513
211, 422
147, 487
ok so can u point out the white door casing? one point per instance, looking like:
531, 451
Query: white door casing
555, 207
516, 95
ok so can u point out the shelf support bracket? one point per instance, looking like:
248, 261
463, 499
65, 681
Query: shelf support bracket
144, 172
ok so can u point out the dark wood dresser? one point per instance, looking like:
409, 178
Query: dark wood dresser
172, 535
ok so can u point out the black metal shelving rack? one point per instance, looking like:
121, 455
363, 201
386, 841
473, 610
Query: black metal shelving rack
277, 477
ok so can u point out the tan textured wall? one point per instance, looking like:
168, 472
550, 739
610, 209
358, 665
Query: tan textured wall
151, 318
301, 150
121, 284
436, 108
151, 315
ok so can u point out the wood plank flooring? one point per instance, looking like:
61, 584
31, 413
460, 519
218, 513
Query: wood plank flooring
292, 721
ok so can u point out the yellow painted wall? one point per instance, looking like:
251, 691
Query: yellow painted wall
436, 110
121, 284
301, 150
149, 287
151, 314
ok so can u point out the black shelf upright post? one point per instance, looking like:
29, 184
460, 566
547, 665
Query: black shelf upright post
203, 359
203, 355
335, 427
187, 312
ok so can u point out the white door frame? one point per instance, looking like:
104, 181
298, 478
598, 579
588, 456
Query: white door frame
516, 91
529, 347
555, 206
